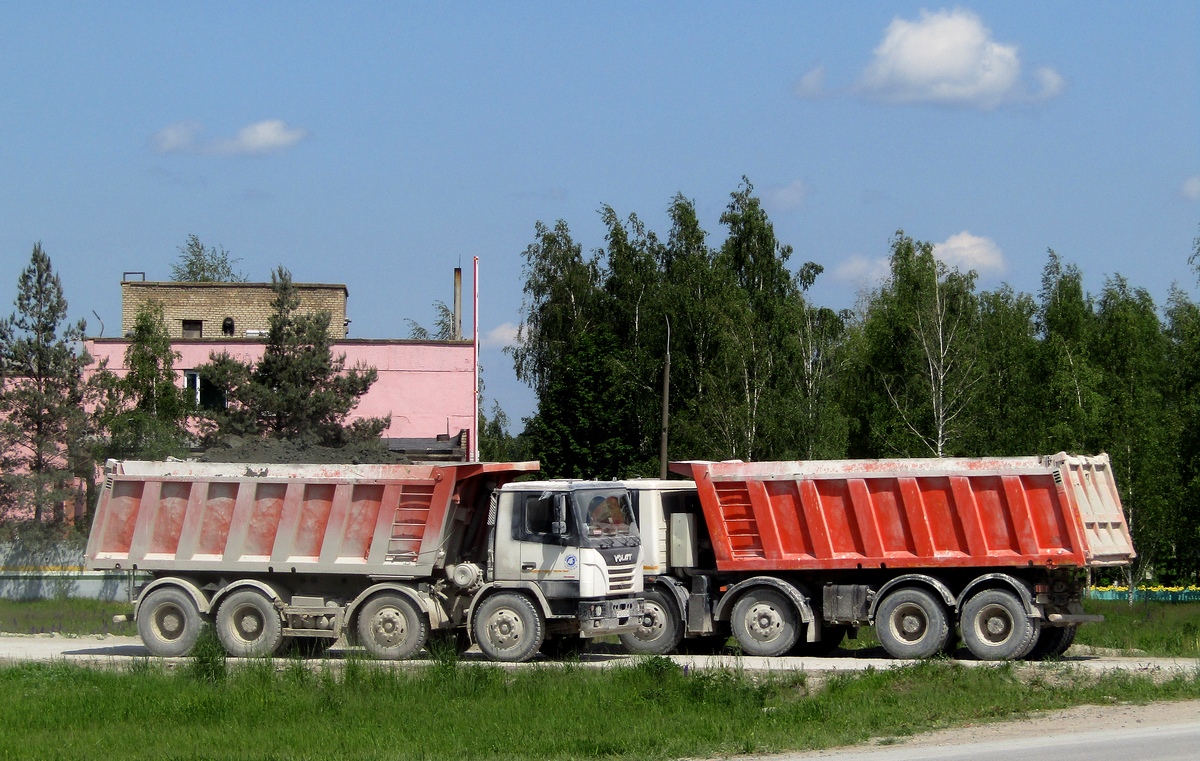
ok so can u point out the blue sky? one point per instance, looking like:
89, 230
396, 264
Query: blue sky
382, 144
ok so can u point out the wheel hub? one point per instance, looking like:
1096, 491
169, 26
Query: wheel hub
505, 629
389, 627
764, 622
170, 623
249, 625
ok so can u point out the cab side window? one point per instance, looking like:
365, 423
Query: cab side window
532, 519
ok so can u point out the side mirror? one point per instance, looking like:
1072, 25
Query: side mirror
559, 526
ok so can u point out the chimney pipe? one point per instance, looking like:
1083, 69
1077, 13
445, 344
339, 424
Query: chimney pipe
457, 304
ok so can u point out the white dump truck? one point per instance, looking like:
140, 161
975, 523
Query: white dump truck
383, 554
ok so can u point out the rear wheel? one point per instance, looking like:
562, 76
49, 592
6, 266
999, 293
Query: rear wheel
996, 627
169, 622
509, 628
248, 625
765, 623
660, 630
911, 623
390, 628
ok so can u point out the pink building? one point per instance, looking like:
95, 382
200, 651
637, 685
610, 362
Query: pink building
428, 387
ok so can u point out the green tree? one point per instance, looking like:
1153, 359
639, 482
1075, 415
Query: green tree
205, 264
920, 359
144, 414
1006, 418
565, 351
1138, 428
42, 421
299, 390
1069, 379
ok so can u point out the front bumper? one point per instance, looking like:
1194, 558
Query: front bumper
610, 616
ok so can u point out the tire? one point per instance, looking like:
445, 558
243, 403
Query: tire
661, 628
765, 623
509, 628
169, 622
831, 637
912, 623
996, 627
248, 625
1052, 642
390, 628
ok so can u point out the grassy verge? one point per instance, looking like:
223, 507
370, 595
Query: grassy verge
650, 710
68, 616
1155, 628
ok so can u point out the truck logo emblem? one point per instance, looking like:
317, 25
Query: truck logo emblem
571, 560
623, 558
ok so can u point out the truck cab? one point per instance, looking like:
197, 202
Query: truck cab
572, 545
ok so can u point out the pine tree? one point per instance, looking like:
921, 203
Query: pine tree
299, 390
143, 414
41, 400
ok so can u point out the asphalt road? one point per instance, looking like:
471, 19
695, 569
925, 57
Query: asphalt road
1175, 743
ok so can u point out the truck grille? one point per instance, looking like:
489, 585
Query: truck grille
620, 577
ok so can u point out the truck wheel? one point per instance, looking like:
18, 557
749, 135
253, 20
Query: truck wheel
509, 628
996, 627
248, 625
765, 623
660, 630
910, 623
390, 628
169, 622
1052, 642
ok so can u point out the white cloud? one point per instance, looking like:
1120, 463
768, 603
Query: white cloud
970, 252
269, 136
1190, 189
862, 271
177, 138
811, 85
499, 337
787, 198
949, 57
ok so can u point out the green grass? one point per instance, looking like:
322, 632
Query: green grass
67, 616
1156, 628
447, 710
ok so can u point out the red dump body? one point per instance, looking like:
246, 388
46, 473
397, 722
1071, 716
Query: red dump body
391, 520
838, 514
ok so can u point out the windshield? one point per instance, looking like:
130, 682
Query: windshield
606, 517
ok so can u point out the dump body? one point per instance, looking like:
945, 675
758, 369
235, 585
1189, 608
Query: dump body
390, 520
918, 513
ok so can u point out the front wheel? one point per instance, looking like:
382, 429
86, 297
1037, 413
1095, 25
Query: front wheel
996, 627
390, 628
911, 623
248, 625
509, 628
660, 629
765, 623
169, 622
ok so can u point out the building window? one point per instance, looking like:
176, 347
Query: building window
193, 328
202, 392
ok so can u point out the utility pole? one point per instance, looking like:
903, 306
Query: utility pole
662, 452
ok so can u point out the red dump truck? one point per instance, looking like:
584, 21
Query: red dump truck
384, 554
790, 556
